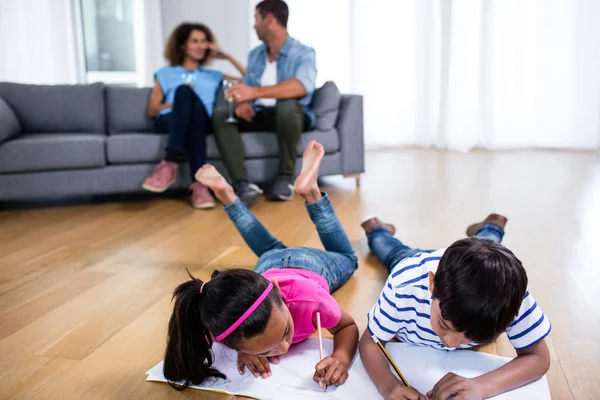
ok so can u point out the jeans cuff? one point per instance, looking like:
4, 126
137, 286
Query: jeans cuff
235, 209
492, 227
377, 231
323, 204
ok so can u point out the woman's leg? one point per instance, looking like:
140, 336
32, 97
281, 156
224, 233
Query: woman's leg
196, 138
253, 232
181, 119
165, 173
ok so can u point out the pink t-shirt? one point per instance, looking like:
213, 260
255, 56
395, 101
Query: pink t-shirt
305, 293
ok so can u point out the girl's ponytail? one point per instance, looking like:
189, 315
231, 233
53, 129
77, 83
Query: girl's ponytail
188, 358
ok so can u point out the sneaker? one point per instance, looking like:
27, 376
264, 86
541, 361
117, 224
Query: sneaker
283, 189
162, 177
201, 196
495, 219
247, 192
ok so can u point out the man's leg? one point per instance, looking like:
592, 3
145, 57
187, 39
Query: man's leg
289, 124
231, 147
229, 142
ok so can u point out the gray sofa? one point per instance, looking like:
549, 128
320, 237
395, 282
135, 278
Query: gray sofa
72, 140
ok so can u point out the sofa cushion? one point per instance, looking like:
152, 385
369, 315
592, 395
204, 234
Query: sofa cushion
126, 109
44, 152
150, 147
326, 105
9, 124
57, 108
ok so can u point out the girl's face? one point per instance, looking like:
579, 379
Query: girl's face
196, 46
277, 337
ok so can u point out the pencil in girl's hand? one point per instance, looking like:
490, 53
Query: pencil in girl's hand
320, 344
389, 358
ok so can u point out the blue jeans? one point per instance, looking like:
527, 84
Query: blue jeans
336, 263
187, 125
390, 251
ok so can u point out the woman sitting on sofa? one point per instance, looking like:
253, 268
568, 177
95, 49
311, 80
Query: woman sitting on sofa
181, 104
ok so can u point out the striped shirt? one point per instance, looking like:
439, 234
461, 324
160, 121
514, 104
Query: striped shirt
404, 308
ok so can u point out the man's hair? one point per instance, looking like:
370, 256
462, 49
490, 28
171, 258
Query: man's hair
278, 8
480, 285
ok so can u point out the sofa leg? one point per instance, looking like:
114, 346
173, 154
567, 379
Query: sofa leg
355, 176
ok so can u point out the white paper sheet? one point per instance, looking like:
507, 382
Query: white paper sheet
423, 367
291, 378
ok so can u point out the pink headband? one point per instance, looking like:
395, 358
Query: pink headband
246, 314
202, 287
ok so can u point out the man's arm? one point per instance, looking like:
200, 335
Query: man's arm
300, 85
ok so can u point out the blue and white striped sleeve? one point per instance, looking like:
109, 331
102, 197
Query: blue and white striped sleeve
530, 326
383, 321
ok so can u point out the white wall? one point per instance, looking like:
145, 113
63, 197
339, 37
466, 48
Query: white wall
228, 19
37, 42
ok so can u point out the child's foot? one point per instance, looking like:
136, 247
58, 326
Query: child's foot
306, 183
495, 219
373, 223
212, 179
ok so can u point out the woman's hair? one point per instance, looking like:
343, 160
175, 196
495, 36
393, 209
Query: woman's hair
198, 317
174, 50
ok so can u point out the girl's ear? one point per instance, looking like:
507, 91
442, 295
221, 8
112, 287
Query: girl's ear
276, 284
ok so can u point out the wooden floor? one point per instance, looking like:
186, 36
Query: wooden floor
85, 289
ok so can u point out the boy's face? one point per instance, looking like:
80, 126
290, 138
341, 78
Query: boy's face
443, 328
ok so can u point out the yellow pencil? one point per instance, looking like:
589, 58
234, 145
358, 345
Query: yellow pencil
320, 343
385, 353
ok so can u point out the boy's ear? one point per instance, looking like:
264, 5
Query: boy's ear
431, 278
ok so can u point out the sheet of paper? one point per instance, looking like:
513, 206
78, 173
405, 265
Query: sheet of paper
423, 367
291, 378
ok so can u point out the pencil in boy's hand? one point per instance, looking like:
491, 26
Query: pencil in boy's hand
389, 358
320, 344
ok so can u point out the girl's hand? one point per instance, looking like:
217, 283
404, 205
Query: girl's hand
258, 365
216, 52
330, 371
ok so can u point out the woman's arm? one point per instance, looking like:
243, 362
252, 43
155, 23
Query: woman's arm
155, 105
218, 53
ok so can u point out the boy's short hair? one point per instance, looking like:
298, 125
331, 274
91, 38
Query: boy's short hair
480, 285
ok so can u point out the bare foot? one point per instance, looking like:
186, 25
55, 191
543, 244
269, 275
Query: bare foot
306, 183
212, 179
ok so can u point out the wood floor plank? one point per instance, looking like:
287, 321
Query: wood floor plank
85, 289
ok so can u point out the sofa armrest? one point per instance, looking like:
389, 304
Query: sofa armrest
9, 123
351, 131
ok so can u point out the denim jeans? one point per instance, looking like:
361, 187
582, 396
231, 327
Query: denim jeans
336, 263
390, 251
187, 125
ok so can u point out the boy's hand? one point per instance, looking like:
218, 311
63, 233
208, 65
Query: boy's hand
401, 392
330, 371
258, 365
462, 388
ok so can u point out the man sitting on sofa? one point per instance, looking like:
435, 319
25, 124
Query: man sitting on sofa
274, 96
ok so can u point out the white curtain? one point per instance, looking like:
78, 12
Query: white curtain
461, 74
37, 43
149, 41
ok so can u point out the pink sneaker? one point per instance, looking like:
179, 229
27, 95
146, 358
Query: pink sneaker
162, 177
201, 196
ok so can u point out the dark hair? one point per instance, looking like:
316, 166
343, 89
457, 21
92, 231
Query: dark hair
197, 316
278, 8
480, 285
174, 52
